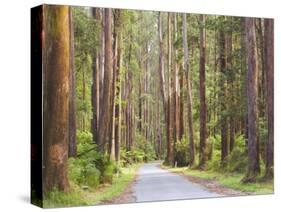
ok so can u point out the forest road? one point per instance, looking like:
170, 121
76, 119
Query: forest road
155, 184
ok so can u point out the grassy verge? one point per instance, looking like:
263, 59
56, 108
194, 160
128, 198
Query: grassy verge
79, 197
230, 180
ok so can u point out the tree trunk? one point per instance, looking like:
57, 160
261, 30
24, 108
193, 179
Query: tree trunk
56, 69
203, 106
189, 96
175, 90
118, 85
223, 109
230, 81
269, 67
96, 82
72, 150
113, 98
252, 93
170, 154
105, 116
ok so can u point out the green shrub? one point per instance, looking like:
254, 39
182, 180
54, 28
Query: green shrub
85, 170
237, 159
215, 163
149, 152
144, 148
84, 137
216, 141
92, 176
240, 142
182, 156
123, 158
75, 171
108, 171
142, 152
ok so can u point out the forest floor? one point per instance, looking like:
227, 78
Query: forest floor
104, 194
228, 184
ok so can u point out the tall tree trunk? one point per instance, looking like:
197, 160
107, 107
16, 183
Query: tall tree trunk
162, 66
269, 67
215, 95
261, 75
140, 105
105, 116
229, 88
203, 106
175, 90
181, 106
128, 98
96, 81
170, 155
101, 61
56, 97
72, 151
189, 95
113, 98
252, 93
162, 82
223, 94
243, 59
118, 86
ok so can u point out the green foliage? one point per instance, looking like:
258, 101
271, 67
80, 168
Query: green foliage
84, 137
142, 152
231, 180
215, 163
57, 198
182, 152
90, 168
92, 175
144, 149
77, 196
75, 170
108, 171
216, 141
130, 157
85, 29
237, 159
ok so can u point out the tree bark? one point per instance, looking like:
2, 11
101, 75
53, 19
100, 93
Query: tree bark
118, 85
56, 67
269, 67
203, 106
230, 88
105, 116
170, 155
96, 81
72, 151
223, 108
252, 93
189, 95
175, 90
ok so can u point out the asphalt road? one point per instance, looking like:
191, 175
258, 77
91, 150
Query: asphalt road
156, 184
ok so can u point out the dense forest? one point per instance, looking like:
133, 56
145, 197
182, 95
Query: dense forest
122, 87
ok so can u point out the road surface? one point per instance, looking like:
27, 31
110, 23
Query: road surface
156, 184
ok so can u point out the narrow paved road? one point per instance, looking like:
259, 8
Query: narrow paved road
156, 184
